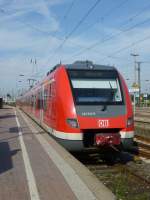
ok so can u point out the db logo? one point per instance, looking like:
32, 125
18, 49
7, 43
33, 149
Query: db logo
104, 123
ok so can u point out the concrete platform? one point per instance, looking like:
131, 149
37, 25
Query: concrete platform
33, 166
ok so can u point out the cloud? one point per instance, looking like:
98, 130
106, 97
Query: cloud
36, 13
26, 27
29, 29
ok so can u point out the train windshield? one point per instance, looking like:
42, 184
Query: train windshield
96, 87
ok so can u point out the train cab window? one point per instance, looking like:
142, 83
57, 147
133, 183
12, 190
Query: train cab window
100, 87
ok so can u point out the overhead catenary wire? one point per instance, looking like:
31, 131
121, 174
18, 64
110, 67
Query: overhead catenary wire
104, 16
136, 15
115, 35
111, 37
74, 29
66, 14
37, 29
25, 23
82, 19
63, 39
111, 10
47, 33
123, 24
68, 10
119, 5
41, 30
128, 46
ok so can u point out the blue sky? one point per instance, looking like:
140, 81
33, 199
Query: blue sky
32, 29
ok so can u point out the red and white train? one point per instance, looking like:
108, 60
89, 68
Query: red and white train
82, 105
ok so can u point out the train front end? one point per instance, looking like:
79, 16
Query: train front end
102, 104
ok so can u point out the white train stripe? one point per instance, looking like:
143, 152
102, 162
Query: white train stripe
67, 136
127, 134
77, 136
60, 134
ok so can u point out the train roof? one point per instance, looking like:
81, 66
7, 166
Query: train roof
84, 65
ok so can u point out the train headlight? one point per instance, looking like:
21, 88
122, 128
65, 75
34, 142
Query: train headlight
73, 123
130, 121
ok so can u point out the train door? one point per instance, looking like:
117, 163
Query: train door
50, 103
53, 104
47, 105
39, 106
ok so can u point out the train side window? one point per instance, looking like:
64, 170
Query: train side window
50, 91
45, 99
26, 101
39, 101
31, 101
34, 101
53, 92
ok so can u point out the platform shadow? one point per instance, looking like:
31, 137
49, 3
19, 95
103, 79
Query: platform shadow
5, 108
14, 129
117, 157
7, 116
17, 136
6, 157
108, 157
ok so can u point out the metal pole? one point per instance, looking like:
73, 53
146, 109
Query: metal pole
134, 56
139, 78
31, 82
134, 103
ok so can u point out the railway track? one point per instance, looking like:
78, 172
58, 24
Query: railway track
145, 109
127, 181
143, 146
143, 124
142, 137
142, 116
127, 178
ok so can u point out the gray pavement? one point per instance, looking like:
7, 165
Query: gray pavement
13, 183
13, 178
33, 166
